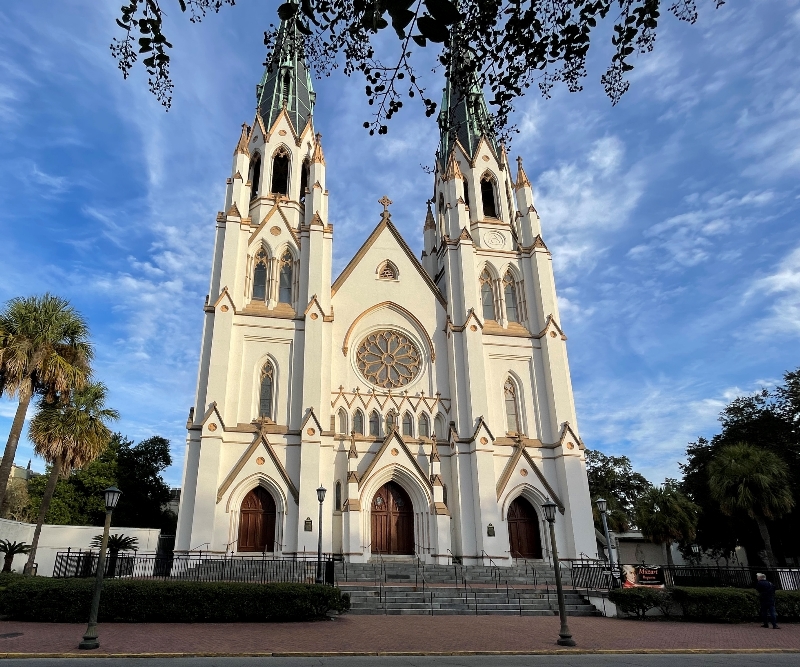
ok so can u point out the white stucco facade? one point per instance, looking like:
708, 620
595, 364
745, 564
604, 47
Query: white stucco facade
490, 379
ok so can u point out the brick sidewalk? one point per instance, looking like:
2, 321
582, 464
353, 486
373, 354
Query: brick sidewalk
415, 634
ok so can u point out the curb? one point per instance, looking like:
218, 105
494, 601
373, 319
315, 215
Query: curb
333, 654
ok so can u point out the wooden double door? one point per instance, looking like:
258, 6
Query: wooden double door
523, 530
257, 521
392, 521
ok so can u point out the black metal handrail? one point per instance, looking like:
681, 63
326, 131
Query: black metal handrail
193, 567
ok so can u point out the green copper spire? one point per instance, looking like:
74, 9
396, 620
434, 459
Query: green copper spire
464, 117
286, 81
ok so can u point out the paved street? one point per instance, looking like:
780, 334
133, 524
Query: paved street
393, 634
617, 660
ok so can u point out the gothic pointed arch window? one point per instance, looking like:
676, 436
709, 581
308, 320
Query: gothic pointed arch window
255, 176
280, 172
510, 296
512, 406
267, 393
387, 271
337, 502
441, 215
439, 427
510, 201
342, 420
374, 423
487, 295
358, 422
260, 275
466, 192
424, 426
488, 196
286, 87
304, 180
408, 425
285, 277
391, 421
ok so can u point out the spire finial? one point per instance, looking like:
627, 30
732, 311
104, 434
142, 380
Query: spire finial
318, 156
385, 202
522, 177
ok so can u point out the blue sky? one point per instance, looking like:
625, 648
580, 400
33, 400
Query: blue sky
672, 217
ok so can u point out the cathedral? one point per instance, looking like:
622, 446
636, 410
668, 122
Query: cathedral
430, 397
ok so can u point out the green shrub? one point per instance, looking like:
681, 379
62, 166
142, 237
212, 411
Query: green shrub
787, 605
640, 600
69, 601
719, 605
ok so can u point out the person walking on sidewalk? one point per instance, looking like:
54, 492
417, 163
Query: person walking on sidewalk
766, 594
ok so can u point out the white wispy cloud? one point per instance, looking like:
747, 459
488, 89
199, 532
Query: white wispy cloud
783, 285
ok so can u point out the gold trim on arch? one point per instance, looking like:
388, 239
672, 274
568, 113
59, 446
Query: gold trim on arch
387, 304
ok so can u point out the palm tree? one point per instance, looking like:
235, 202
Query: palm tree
116, 543
44, 349
746, 478
665, 515
11, 549
68, 436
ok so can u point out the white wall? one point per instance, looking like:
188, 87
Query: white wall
61, 538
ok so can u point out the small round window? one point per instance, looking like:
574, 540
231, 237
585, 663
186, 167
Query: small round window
388, 359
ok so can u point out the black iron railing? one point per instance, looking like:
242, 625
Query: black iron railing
599, 575
194, 567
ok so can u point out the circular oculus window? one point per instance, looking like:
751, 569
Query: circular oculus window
388, 359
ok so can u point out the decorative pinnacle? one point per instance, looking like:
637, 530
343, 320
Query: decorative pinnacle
522, 177
385, 202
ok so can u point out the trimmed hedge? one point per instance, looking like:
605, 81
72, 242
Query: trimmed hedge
140, 601
719, 605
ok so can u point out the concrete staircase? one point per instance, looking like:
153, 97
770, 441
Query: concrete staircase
440, 601
403, 588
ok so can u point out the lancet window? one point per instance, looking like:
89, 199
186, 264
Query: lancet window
285, 277
424, 426
374, 424
488, 197
338, 497
510, 296
466, 193
260, 275
439, 427
280, 172
265, 407
342, 420
512, 406
255, 177
304, 180
487, 295
358, 422
391, 421
408, 424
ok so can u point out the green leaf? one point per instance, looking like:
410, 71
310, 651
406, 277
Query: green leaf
287, 10
303, 28
419, 39
183, 5
307, 9
444, 11
432, 29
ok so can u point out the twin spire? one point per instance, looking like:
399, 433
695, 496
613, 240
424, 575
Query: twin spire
286, 83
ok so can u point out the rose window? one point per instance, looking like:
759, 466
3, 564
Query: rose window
388, 359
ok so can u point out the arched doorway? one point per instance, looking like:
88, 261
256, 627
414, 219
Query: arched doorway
392, 521
257, 521
523, 530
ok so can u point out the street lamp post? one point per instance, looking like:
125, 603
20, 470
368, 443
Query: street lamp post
564, 635
602, 506
321, 497
112, 494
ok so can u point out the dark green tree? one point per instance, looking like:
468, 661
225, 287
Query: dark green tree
769, 419
135, 469
665, 516
506, 46
613, 478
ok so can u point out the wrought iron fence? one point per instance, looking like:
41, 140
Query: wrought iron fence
599, 575
194, 567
